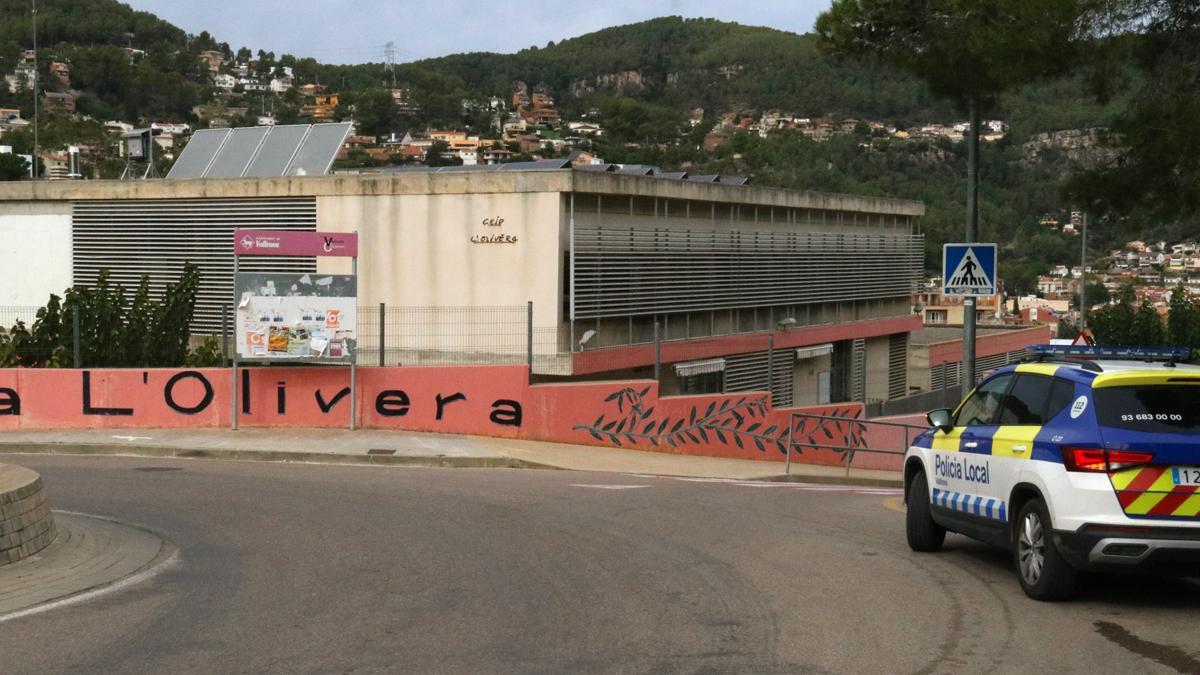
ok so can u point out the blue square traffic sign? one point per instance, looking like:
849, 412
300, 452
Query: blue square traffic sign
969, 269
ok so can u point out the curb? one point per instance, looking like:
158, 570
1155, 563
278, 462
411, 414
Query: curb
834, 480
424, 461
414, 461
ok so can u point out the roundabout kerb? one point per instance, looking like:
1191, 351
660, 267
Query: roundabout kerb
26, 526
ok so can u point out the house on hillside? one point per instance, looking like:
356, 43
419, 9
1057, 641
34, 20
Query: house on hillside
280, 83
62, 72
55, 101
213, 59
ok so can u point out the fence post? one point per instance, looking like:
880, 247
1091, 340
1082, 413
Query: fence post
657, 352
791, 427
382, 334
224, 333
75, 337
529, 337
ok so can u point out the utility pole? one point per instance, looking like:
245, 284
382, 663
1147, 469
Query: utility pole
968, 379
1083, 277
389, 53
36, 173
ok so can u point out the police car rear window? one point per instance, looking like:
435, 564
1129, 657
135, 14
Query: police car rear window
1164, 408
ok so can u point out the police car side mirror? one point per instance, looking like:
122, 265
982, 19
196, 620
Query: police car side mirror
940, 418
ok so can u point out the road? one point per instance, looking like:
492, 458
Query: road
301, 568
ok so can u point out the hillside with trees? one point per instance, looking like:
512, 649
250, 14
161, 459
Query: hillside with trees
640, 82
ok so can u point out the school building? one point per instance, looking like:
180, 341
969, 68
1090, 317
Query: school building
806, 294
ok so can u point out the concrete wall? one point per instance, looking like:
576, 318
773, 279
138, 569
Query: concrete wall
920, 374
418, 250
806, 379
35, 251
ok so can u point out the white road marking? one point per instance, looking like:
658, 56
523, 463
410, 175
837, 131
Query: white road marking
105, 589
133, 438
608, 487
803, 487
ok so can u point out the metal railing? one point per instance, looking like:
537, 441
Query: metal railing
822, 432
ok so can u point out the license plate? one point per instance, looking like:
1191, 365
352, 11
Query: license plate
1186, 475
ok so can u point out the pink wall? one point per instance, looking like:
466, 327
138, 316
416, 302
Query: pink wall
481, 400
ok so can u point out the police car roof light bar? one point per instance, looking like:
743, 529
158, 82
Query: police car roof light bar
1170, 355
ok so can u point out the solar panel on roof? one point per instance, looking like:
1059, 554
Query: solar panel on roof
277, 151
198, 154
261, 152
239, 149
318, 150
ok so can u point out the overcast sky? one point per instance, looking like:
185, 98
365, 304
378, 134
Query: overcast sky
355, 31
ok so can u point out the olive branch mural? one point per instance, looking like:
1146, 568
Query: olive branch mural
740, 422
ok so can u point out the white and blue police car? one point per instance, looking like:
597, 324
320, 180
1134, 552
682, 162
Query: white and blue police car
1079, 458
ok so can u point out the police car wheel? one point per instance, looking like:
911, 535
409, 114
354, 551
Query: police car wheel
923, 533
1043, 572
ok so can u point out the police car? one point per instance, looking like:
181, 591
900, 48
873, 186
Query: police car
1080, 458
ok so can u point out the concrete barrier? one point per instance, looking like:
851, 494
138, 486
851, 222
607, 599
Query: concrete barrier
26, 525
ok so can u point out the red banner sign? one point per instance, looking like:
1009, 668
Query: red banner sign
293, 242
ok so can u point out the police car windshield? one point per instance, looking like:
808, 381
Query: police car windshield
1162, 408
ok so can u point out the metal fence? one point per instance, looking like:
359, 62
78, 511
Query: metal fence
421, 336
411, 336
854, 438
10, 316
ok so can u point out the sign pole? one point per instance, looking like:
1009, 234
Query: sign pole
353, 352
233, 378
972, 220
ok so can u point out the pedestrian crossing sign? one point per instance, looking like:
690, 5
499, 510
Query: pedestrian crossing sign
969, 269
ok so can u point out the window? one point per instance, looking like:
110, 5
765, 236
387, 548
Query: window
983, 405
1061, 395
706, 383
1025, 404
1159, 408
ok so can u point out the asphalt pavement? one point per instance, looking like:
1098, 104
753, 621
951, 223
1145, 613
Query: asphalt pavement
302, 568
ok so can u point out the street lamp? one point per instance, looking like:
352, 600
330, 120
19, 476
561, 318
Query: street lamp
33, 16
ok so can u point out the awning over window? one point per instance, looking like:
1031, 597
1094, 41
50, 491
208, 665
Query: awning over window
689, 368
814, 352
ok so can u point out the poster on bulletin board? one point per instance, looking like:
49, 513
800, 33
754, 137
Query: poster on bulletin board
289, 316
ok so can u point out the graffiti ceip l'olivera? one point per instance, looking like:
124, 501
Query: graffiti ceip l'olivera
480, 400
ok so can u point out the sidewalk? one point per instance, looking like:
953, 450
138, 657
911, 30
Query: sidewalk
415, 449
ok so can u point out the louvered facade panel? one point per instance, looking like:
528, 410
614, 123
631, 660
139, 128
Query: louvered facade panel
637, 270
858, 370
897, 365
156, 237
748, 372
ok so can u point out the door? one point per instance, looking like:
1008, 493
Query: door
962, 464
1022, 417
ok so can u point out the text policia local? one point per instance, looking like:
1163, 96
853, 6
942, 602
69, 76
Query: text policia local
390, 403
964, 468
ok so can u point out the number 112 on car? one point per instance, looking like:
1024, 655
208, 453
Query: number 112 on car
1186, 475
